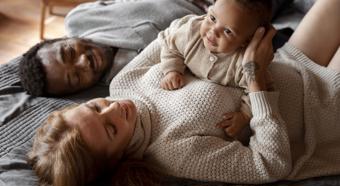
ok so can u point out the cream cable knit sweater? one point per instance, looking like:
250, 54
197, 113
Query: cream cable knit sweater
185, 143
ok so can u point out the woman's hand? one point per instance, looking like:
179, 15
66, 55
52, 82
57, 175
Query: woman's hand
257, 57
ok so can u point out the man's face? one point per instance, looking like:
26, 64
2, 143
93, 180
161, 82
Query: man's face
73, 64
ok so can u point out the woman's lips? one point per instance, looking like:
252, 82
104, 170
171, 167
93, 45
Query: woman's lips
126, 108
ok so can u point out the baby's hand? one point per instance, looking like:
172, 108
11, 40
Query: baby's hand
233, 123
172, 81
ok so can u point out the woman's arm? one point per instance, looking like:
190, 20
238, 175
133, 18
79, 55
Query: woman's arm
210, 158
268, 156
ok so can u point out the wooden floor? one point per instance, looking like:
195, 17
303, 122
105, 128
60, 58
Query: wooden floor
19, 27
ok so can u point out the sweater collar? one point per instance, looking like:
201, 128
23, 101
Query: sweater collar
142, 133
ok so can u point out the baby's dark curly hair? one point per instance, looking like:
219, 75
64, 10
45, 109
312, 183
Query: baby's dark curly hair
31, 70
263, 8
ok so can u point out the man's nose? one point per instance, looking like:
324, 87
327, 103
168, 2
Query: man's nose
83, 62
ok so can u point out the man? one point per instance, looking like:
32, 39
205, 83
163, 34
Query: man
68, 65
64, 65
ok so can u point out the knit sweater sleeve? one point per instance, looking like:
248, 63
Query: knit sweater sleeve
266, 159
173, 42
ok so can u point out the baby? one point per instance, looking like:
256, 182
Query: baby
212, 47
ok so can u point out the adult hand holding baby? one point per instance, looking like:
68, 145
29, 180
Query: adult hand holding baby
257, 57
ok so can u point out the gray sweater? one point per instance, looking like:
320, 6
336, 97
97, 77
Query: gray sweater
129, 25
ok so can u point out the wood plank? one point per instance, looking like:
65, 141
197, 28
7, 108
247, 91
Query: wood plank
19, 27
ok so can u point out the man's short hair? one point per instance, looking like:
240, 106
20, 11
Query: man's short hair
31, 70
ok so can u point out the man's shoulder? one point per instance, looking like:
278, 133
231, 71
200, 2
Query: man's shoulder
188, 21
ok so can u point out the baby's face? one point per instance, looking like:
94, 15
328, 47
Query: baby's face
227, 27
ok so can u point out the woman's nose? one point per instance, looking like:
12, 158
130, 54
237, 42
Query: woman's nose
109, 107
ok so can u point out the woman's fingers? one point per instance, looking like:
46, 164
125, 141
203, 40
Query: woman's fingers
255, 41
270, 34
268, 38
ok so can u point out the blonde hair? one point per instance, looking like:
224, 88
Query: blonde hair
59, 155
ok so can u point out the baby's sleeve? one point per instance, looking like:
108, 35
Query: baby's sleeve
173, 41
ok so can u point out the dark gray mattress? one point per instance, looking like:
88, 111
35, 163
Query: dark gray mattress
21, 114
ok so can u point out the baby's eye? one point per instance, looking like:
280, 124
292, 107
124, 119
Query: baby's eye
212, 18
227, 31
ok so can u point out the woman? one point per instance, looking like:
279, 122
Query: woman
294, 137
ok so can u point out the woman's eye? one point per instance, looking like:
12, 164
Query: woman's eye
98, 109
94, 107
111, 130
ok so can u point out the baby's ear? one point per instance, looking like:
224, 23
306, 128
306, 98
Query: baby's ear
246, 43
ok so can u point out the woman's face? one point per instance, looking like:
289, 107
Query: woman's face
106, 126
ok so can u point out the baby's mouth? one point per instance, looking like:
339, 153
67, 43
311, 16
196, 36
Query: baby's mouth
211, 41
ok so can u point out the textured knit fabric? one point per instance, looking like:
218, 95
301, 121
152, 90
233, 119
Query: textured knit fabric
183, 47
296, 133
316, 149
184, 140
